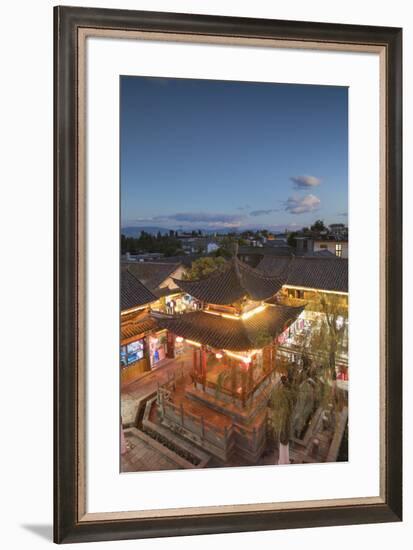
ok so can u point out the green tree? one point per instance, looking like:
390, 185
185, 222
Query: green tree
293, 400
227, 246
291, 239
332, 327
318, 225
203, 267
302, 389
168, 244
327, 336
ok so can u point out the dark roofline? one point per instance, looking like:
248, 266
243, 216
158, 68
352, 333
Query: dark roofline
230, 334
232, 283
312, 272
133, 293
152, 274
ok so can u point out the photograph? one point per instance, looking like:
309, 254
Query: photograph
234, 300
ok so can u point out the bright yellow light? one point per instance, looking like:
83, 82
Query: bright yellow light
131, 310
252, 312
179, 339
197, 344
308, 289
244, 358
225, 315
242, 317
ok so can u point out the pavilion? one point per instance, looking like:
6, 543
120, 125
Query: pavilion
233, 335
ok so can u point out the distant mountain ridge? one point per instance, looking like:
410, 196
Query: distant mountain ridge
136, 231
132, 231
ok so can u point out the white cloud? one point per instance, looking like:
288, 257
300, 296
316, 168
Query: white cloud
305, 182
203, 217
301, 205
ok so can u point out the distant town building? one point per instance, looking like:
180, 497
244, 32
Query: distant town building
212, 247
197, 244
304, 244
338, 230
322, 243
335, 246
144, 257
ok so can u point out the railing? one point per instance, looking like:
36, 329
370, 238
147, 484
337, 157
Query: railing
218, 440
341, 359
246, 396
198, 425
218, 436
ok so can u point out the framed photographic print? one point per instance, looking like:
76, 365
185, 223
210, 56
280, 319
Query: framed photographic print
227, 274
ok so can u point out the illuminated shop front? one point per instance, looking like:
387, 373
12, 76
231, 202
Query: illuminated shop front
134, 346
179, 346
158, 343
132, 352
179, 303
292, 341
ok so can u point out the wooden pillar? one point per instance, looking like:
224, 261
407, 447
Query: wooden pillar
195, 360
170, 345
203, 366
146, 353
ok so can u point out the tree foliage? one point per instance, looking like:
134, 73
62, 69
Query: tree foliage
203, 267
281, 409
303, 388
227, 246
296, 396
291, 239
168, 245
318, 225
327, 335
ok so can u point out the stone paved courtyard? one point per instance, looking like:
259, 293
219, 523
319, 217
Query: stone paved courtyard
141, 456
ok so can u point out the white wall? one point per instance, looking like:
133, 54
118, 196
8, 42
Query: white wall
331, 247
26, 218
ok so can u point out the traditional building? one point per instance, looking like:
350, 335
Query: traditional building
136, 325
227, 354
233, 334
157, 276
307, 280
337, 246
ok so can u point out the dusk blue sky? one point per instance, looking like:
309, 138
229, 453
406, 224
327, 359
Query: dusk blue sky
208, 154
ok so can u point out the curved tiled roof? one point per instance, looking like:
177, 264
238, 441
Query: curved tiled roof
151, 274
231, 334
233, 283
132, 292
281, 250
322, 273
137, 324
